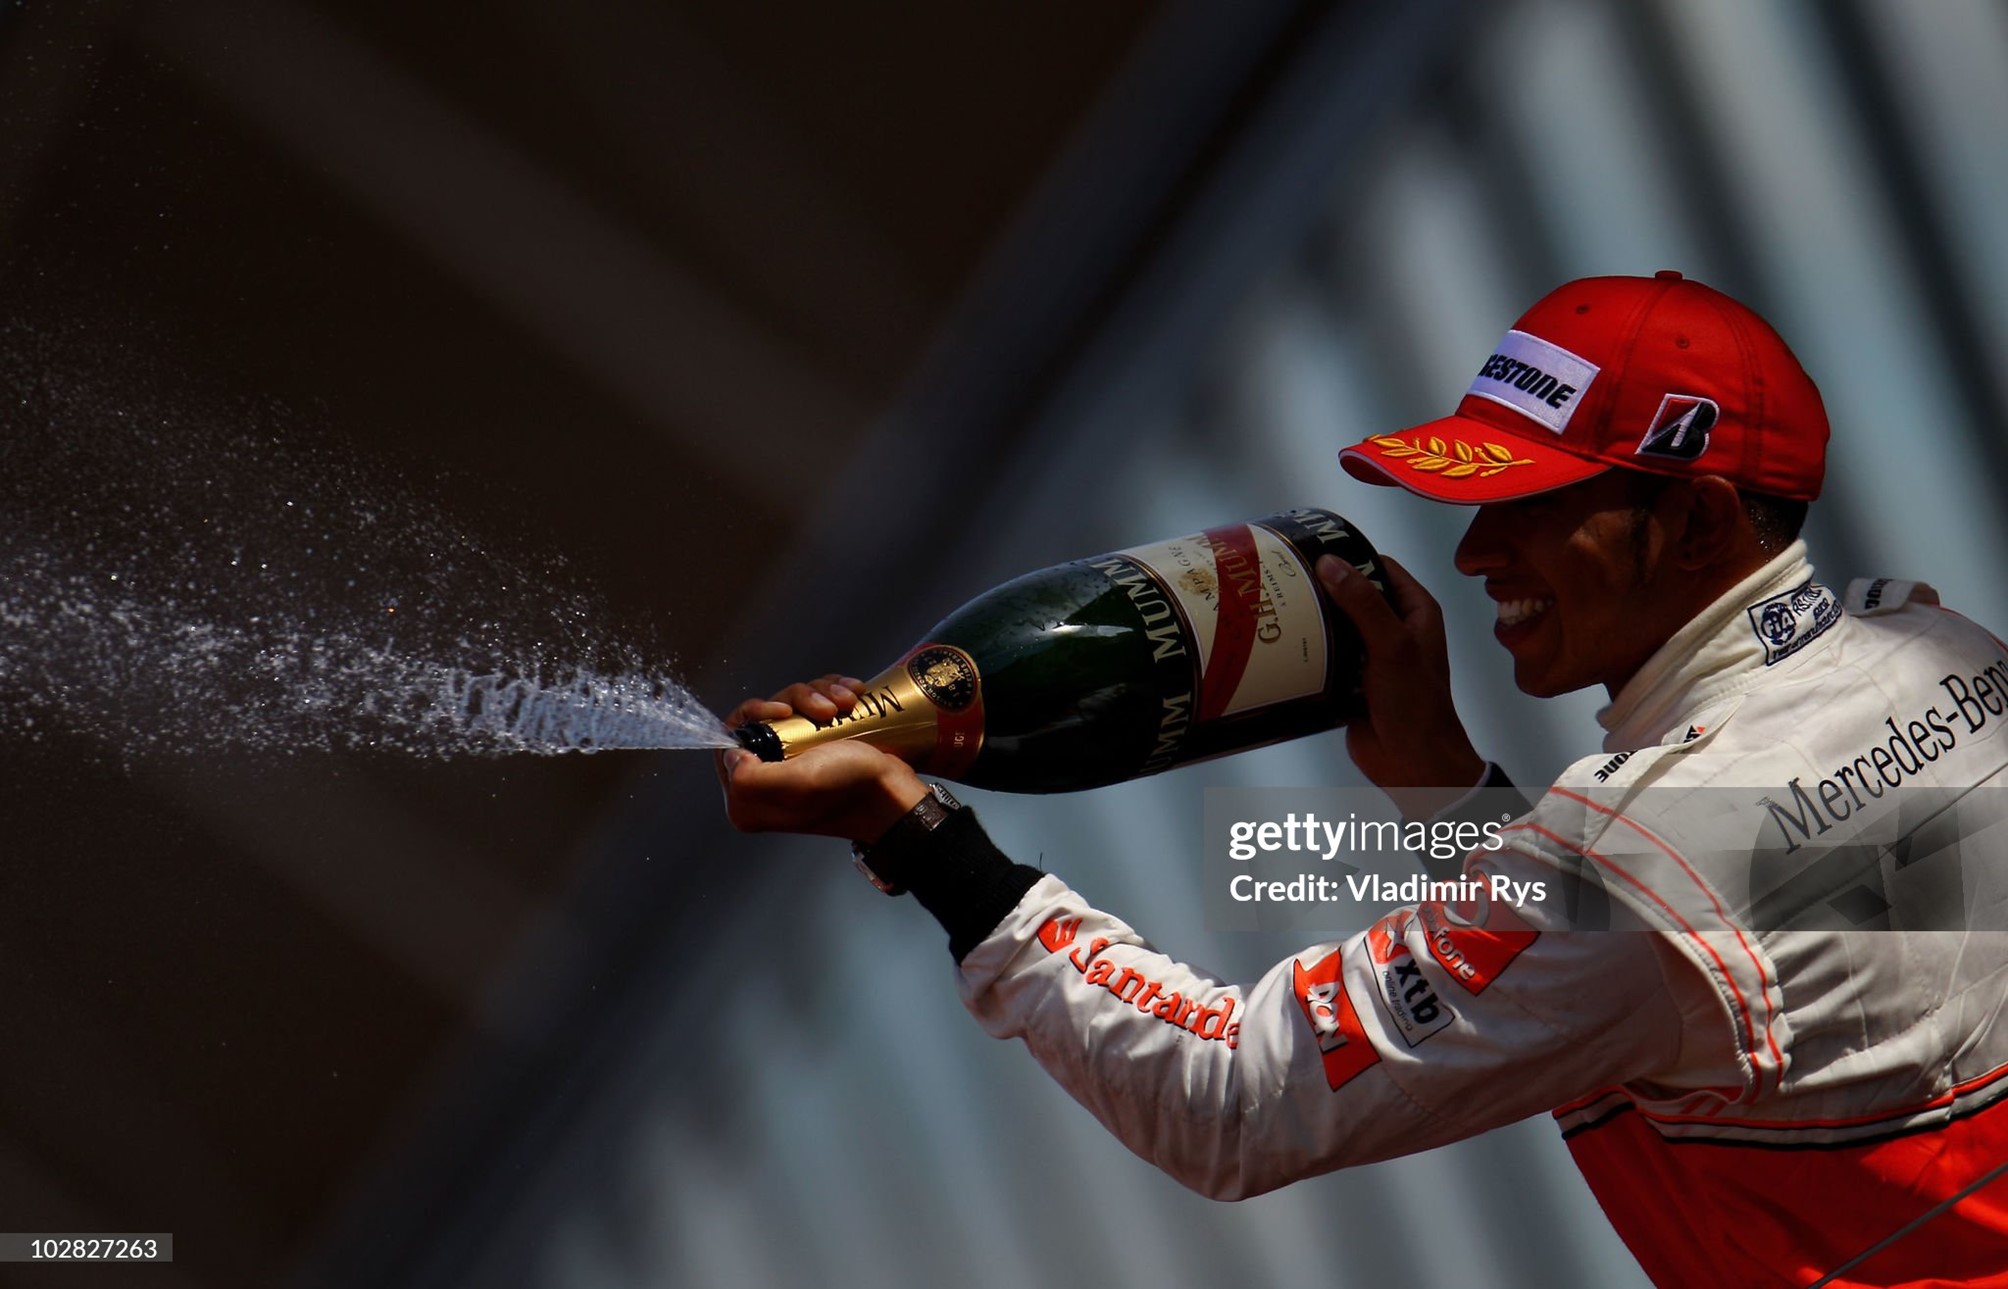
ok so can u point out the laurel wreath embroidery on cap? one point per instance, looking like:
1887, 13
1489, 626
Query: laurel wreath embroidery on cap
1458, 460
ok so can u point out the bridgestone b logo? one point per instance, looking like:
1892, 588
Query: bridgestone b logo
1679, 429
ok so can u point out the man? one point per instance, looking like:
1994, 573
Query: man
1749, 999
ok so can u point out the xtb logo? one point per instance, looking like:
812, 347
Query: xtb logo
1417, 998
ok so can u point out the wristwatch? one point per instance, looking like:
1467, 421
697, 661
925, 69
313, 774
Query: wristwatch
886, 862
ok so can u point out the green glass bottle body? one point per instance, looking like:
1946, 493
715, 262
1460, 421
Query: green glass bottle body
1107, 669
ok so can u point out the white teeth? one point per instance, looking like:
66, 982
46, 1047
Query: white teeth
1514, 612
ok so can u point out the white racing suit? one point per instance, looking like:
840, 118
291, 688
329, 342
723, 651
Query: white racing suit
1763, 999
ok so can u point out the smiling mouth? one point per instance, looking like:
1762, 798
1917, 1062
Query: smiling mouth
1514, 612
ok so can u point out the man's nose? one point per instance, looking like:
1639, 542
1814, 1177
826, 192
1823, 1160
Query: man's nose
1482, 549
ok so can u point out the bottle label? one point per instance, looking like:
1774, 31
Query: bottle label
1253, 613
1169, 637
948, 679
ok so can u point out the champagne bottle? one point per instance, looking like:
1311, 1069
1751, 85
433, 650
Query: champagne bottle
1112, 668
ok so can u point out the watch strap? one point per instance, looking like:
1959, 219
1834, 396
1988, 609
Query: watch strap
886, 862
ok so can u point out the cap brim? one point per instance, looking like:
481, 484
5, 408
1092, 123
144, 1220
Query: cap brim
1465, 462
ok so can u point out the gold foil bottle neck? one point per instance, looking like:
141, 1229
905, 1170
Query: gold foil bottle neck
926, 709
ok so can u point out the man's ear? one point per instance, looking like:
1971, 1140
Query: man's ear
1716, 529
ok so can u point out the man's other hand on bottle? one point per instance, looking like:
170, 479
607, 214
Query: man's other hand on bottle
1410, 742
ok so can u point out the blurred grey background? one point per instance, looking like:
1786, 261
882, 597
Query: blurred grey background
792, 327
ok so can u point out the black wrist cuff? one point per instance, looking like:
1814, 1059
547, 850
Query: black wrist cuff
968, 884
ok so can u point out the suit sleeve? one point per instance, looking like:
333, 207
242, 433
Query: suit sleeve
1438, 1023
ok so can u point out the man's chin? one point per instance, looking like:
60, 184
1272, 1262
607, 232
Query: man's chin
1536, 682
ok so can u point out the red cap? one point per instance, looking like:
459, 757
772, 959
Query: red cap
1657, 374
